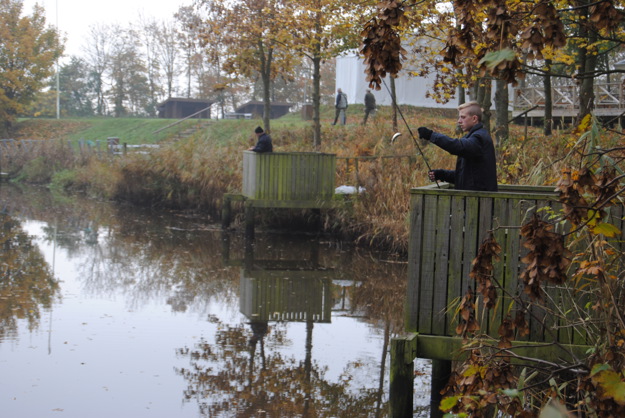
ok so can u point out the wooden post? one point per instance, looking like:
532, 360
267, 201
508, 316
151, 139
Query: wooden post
225, 247
441, 369
226, 211
249, 220
403, 351
357, 176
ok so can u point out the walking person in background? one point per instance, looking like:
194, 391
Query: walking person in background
369, 106
475, 166
340, 107
263, 141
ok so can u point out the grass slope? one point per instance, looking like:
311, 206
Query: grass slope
129, 130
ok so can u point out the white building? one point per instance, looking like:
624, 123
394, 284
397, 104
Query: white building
350, 77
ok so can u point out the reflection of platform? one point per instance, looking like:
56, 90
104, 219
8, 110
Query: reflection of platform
290, 284
280, 295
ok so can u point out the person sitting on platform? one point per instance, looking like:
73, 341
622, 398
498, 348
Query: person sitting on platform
263, 143
475, 166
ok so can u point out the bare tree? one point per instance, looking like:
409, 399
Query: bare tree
188, 39
98, 56
167, 53
129, 85
149, 35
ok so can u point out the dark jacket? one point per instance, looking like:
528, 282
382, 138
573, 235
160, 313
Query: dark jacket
369, 100
475, 167
264, 144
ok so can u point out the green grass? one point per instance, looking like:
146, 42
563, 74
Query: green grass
128, 130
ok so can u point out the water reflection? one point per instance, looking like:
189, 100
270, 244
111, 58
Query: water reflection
26, 282
275, 291
291, 326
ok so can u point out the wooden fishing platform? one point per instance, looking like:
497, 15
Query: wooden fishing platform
447, 227
294, 180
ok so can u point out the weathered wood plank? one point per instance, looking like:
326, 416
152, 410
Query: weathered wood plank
428, 252
499, 220
540, 321
402, 377
458, 279
485, 224
441, 259
526, 208
511, 256
414, 262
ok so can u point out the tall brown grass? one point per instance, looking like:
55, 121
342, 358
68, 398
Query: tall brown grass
195, 173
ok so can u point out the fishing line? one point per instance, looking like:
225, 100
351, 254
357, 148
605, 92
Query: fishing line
425, 160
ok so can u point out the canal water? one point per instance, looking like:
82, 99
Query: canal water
110, 311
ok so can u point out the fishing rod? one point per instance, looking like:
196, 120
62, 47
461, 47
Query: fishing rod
425, 160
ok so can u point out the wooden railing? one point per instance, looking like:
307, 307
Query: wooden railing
447, 227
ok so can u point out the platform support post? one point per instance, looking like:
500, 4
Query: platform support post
401, 391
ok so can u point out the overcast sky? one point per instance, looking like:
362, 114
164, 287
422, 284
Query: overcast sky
75, 17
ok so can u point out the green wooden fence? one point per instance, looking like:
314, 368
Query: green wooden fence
446, 228
288, 179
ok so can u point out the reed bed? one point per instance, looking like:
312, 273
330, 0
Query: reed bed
194, 173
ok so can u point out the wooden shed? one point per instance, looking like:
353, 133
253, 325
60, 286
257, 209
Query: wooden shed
179, 108
256, 108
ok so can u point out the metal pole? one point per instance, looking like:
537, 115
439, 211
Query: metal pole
58, 82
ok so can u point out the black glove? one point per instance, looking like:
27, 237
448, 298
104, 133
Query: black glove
425, 133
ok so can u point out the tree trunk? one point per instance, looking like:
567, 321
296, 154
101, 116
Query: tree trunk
462, 95
265, 73
502, 131
316, 101
394, 101
462, 98
548, 120
586, 90
483, 98
588, 63
316, 93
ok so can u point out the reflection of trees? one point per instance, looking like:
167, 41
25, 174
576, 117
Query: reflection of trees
26, 284
147, 261
143, 253
226, 381
380, 298
179, 259
282, 280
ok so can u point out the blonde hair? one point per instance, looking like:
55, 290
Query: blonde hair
473, 109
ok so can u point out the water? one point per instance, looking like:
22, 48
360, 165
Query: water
107, 310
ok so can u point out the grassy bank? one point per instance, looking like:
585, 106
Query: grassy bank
129, 130
193, 173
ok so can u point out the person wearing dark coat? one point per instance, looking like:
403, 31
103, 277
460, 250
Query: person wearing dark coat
369, 106
263, 143
476, 167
